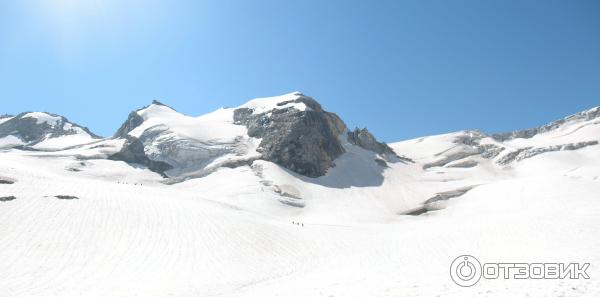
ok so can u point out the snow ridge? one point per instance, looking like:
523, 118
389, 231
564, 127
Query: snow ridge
42, 130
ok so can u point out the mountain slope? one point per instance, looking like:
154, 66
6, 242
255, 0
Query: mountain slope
43, 131
468, 148
75, 222
290, 130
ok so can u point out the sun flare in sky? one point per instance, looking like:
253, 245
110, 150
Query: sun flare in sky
70, 24
72, 6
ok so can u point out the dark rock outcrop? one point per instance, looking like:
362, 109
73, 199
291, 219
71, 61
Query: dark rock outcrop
133, 152
132, 122
161, 149
449, 194
467, 152
366, 140
6, 181
431, 204
490, 151
470, 138
7, 198
31, 132
529, 152
66, 197
304, 141
468, 144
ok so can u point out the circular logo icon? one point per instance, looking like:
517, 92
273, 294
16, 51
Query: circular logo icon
465, 270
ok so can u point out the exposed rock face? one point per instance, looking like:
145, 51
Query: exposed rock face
66, 197
294, 131
470, 138
490, 151
133, 152
587, 115
366, 140
6, 181
467, 152
470, 145
529, 152
132, 122
171, 143
7, 198
473, 139
433, 203
32, 130
304, 141
449, 194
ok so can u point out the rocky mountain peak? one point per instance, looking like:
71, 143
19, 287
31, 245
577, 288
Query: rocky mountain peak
295, 133
156, 102
137, 117
366, 140
291, 130
132, 122
30, 128
155, 106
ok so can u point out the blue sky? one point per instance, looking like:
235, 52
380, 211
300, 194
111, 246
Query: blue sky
401, 68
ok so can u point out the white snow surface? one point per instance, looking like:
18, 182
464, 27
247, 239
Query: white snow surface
2, 120
43, 117
263, 105
197, 145
77, 135
216, 126
10, 141
231, 234
207, 141
63, 142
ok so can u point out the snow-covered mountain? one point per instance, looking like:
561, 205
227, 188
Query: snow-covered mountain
277, 197
43, 131
469, 148
290, 130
